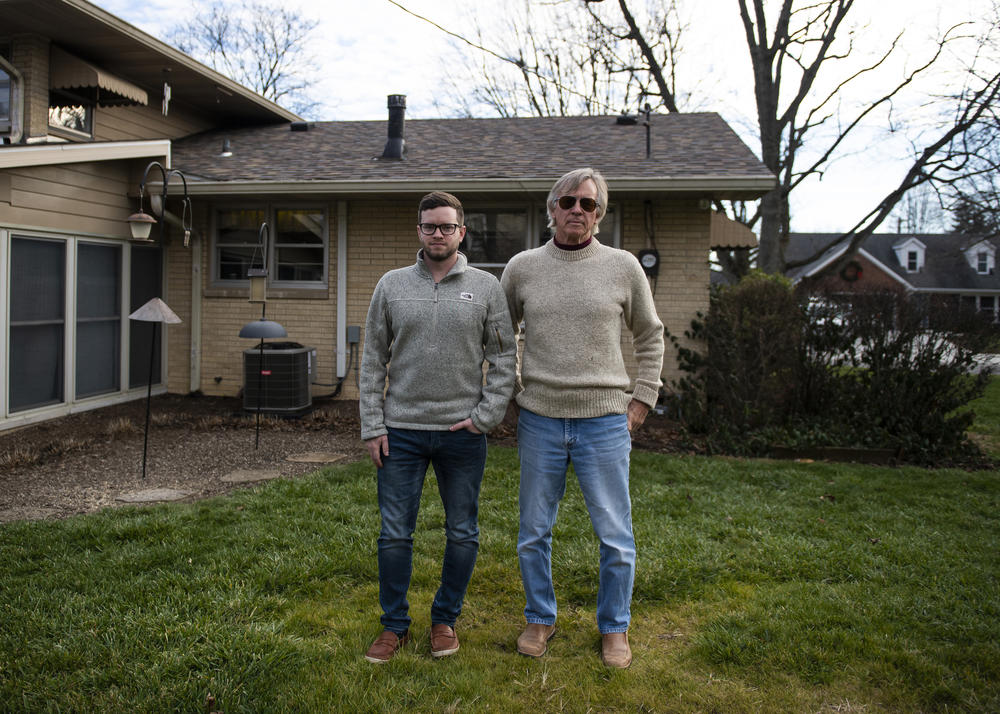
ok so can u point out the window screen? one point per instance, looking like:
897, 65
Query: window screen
98, 319
146, 284
37, 322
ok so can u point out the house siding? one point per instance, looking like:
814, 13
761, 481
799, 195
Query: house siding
84, 197
145, 122
381, 236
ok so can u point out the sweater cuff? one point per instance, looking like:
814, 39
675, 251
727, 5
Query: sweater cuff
644, 394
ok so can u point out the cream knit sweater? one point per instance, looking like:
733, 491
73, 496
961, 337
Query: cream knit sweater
573, 304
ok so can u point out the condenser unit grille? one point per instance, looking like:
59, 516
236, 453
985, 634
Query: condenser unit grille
280, 377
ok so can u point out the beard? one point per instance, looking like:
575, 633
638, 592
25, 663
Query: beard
443, 253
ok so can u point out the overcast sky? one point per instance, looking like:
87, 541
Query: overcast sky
370, 49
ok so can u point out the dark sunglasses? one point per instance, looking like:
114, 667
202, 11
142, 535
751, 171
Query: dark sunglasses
587, 204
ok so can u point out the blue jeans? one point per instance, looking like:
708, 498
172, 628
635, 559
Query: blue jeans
599, 451
459, 459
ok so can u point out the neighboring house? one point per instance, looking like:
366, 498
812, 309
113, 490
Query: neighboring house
339, 199
955, 272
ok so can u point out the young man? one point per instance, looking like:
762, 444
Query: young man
573, 294
436, 322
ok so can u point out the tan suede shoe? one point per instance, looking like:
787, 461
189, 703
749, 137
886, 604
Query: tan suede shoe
444, 641
534, 641
385, 647
615, 651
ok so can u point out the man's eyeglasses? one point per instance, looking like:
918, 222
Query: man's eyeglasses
587, 204
446, 229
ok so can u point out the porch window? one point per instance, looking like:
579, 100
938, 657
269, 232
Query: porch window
98, 319
296, 253
37, 322
988, 304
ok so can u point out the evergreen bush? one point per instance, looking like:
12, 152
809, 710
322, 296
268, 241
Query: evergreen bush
781, 367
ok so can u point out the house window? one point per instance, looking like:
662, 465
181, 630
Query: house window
299, 254
67, 326
6, 100
98, 319
70, 113
988, 304
982, 262
494, 236
236, 243
911, 261
296, 252
37, 322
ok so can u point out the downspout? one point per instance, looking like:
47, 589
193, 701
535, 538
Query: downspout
194, 383
341, 289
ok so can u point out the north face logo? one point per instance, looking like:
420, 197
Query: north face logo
466, 296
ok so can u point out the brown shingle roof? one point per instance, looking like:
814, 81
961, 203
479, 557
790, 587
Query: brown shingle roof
683, 146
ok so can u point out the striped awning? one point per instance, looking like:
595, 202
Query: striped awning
69, 72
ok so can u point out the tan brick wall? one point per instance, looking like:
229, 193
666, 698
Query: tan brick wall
30, 55
681, 289
381, 236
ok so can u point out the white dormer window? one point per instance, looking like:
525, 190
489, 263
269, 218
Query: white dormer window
982, 257
910, 253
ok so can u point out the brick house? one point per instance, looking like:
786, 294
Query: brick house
953, 271
339, 200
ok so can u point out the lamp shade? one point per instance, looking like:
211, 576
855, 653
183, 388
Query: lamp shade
140, 223
261, 329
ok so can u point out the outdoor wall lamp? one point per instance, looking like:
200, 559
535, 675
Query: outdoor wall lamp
141, 223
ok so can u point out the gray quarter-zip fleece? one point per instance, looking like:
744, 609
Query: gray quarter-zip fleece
430, 340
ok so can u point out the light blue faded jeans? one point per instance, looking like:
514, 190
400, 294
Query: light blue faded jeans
599, 450
458, 458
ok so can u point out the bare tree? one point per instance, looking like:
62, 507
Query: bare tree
920, 210
805, 65
548, 59
262, 45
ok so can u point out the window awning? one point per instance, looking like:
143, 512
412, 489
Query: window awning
724, 232
69, 72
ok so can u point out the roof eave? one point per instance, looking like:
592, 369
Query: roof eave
734, 188
182, 59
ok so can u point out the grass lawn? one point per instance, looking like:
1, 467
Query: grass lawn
761, 587
986, 429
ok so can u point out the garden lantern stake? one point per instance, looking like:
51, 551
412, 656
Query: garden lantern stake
154, 311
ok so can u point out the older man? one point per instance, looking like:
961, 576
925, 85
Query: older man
436, 322
573, 294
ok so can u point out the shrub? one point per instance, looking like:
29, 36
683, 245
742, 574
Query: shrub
782, 367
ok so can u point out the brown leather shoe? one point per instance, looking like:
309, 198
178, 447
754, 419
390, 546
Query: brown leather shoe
615, 651
385, 646
444, 641
534, 641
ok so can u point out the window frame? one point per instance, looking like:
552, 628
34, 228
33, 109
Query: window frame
270, 212
536, 225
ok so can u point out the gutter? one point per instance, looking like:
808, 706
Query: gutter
754, 186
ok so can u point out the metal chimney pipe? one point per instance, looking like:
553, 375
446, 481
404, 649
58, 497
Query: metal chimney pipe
395, 147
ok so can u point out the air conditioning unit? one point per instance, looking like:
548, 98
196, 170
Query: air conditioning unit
280, 375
